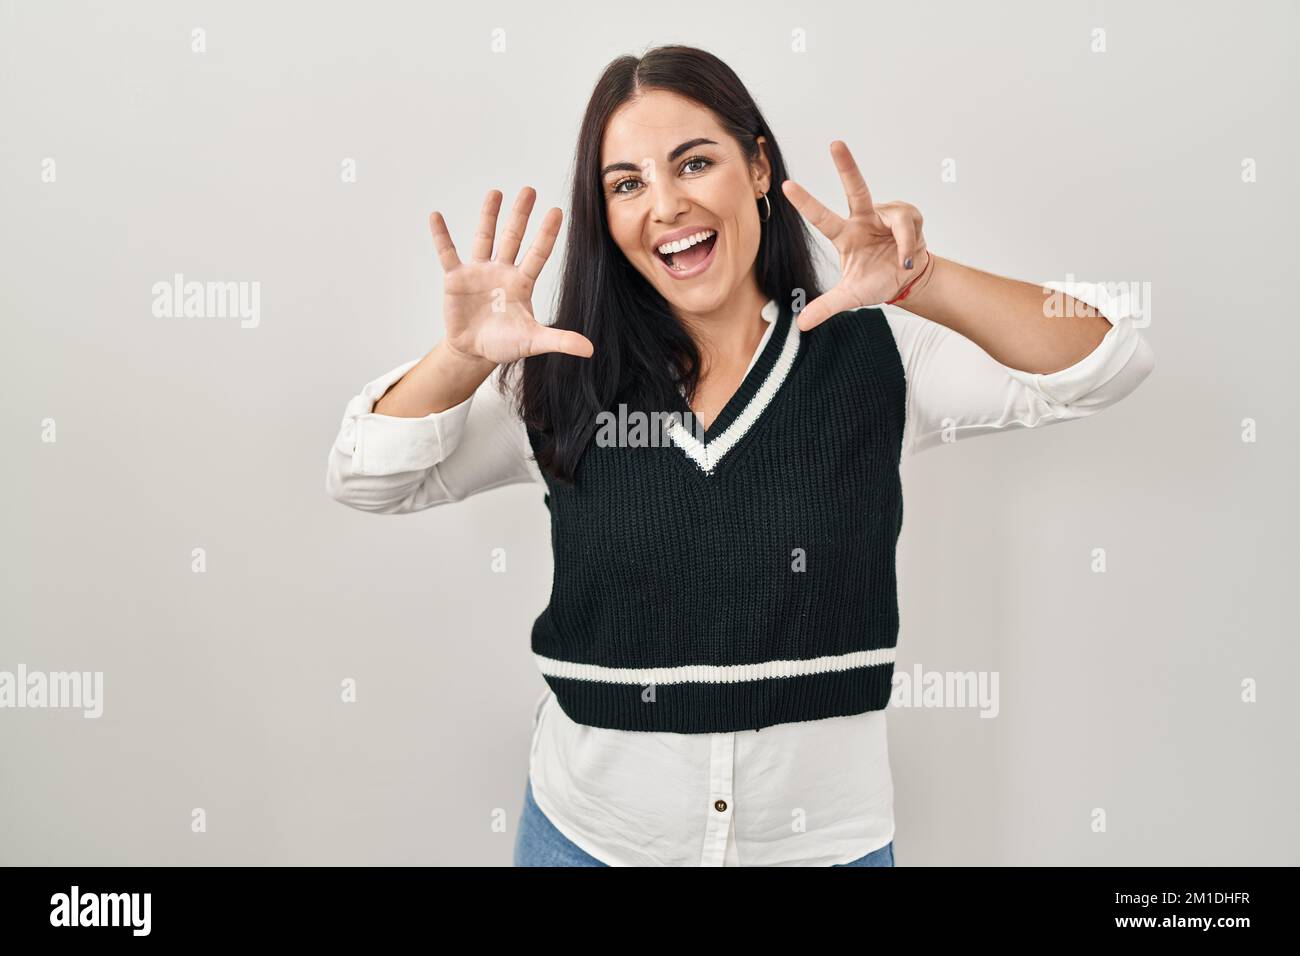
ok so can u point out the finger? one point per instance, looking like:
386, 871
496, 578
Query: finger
542, 245
513, 232
907, 238
826, 222
487, 226
855, 187
823, 307
549, 339
442, 242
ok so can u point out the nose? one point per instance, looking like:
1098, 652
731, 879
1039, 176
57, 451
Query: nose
667, 201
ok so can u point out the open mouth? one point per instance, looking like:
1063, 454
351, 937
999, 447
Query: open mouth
689, 259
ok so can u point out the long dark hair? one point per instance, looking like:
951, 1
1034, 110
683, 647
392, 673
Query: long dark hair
643, 353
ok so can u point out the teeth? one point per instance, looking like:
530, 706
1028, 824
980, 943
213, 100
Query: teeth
680, 245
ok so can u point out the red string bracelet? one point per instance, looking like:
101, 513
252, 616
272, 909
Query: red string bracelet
908, 288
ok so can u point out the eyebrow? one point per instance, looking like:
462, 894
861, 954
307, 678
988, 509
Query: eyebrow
677, 151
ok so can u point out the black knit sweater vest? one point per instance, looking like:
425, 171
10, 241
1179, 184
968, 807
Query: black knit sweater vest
749, 580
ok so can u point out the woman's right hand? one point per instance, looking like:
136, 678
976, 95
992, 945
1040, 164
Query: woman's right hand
487, 302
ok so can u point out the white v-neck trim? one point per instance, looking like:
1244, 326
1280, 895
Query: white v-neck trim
708, 455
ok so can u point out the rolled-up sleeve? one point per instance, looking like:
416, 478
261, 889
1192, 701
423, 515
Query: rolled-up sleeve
385, 444
956, 390
391, 465
1119, 363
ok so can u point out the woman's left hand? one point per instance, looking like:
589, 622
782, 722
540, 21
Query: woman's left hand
876, 243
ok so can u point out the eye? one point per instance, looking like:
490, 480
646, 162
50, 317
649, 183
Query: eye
618, 190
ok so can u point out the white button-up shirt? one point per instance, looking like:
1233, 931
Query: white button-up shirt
810, 793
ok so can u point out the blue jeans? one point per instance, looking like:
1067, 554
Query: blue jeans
539, 843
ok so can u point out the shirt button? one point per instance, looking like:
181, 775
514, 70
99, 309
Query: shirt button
720, 806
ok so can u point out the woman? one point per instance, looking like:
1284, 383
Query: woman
719, 643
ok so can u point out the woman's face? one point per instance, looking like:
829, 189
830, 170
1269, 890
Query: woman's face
669, 172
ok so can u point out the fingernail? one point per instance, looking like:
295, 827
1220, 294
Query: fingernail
907, 263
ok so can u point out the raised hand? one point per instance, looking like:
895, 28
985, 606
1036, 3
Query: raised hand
487, 302
875, 243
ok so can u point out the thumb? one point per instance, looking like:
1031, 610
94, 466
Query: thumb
820, 309
548, 339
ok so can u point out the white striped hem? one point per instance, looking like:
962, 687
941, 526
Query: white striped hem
714, 674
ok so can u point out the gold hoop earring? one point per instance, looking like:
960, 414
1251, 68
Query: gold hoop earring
769, 209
